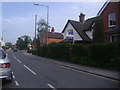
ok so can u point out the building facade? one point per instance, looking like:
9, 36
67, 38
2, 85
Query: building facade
79, 31
111, 16
49, 37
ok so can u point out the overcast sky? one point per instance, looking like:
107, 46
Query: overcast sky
18, 17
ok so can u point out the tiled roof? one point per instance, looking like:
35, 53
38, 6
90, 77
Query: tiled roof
88, 23
82, 27
55, 35
79, 28
103, 7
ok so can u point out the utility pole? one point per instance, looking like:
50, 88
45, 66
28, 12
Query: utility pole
36, 4
35, 29
47, 22
2, 36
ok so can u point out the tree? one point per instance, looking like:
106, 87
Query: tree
98, 30
23, 41
42, 26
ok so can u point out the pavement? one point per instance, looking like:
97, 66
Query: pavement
112, 74
92, 70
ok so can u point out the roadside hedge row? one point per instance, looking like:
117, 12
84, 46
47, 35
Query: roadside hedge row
105, 55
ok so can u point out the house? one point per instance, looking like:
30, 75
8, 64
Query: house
79, 31
111, 16
49, 37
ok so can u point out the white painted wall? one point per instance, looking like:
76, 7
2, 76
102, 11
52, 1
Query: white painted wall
90, 34
76, 35
2, 43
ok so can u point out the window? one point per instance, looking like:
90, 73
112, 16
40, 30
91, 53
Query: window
112, 19
2, 54
114, 38
70, 32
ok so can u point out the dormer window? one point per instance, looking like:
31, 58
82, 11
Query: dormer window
112, 19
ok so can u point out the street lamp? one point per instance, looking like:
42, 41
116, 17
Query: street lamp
35, 29
2, 38
37, 4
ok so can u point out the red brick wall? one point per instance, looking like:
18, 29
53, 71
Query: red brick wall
50, 40
111, 7
43, 39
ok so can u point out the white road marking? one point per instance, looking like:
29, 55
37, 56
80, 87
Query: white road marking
29, 69
18, 60
13, 76
12, 72
14, 57
17, 84
51, 87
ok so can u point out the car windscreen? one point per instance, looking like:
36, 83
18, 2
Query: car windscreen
2, 54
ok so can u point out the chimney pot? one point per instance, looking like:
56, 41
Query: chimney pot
52, 30
82, 17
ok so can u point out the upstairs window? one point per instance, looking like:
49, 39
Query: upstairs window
70, 32
112, 19
2, 54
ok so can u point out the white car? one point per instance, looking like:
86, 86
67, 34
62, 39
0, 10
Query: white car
5, 68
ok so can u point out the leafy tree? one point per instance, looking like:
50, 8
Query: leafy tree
98, 33
42, 26
23, 41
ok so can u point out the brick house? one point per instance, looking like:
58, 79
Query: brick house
50, 37
111, 16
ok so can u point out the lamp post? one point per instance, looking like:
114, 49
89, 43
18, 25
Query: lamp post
35, 29
2, 36
36, 4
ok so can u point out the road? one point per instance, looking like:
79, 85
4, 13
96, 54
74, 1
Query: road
37, 72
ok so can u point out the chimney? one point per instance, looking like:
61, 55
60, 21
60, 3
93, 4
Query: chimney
52, 30
82, 17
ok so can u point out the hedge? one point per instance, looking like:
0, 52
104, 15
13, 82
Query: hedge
105, 55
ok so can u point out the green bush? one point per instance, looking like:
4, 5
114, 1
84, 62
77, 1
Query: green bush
105, 55
54, 50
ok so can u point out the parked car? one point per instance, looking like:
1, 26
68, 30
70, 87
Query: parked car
5, 68
29, 50
15, 50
